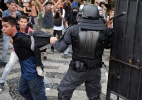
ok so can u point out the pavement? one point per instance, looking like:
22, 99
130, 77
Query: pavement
55, 69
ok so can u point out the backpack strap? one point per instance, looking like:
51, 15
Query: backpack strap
32, 43
44, 47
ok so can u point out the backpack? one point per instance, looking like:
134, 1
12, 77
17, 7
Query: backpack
57, 20
39, 39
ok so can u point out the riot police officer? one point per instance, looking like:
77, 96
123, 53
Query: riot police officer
88, 38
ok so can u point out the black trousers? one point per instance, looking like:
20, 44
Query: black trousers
73, 79
59, 33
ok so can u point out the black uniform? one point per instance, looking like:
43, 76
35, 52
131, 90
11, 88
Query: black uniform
88, 40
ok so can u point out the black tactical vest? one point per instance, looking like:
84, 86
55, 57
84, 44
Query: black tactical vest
87, 44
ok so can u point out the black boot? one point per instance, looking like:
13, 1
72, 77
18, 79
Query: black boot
61, 97
52, 49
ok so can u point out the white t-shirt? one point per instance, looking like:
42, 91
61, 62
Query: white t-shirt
99, 8
81, 7
62, 26
25, 1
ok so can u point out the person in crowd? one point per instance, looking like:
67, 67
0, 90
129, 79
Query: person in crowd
47, 23
31, 85
11, 11
101, 16
27, 10
70, 20
34, 14
23, 27
20, 9
67, 6
97, 4
103, 7
109, 22
59, 14
83, 2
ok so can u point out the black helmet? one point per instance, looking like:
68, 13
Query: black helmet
90, 11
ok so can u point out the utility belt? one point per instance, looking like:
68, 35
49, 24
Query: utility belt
82, 67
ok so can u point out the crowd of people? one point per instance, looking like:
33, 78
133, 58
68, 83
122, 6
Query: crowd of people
45, 15
58, 16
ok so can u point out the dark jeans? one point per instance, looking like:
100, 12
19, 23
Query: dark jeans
59, 33
73, 79
33, 89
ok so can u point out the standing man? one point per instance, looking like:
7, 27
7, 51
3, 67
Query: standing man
34, 14
88, 45
70, 20
47, 23
23, 27
83, 2
11, 11
31, 85
103, 7
59, 14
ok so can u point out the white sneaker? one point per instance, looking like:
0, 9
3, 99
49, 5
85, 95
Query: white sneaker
47, 87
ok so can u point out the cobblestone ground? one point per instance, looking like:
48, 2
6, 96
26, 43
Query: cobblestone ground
55, 69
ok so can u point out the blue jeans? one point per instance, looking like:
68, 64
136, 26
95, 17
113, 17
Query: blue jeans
33, 89
66, 52
6, 41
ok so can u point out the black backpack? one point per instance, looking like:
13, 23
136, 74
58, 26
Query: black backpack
39, 39
57, 20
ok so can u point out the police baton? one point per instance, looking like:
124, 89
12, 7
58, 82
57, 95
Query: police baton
118, 15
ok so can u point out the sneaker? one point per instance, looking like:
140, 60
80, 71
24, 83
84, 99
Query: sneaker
1, 87
47, 87
65, 56
45, 57
2, 64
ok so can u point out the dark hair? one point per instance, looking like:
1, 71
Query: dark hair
97, 3
11, 20
83, 0
101, 3
48, 2
30, 25
10, 1
23, 16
